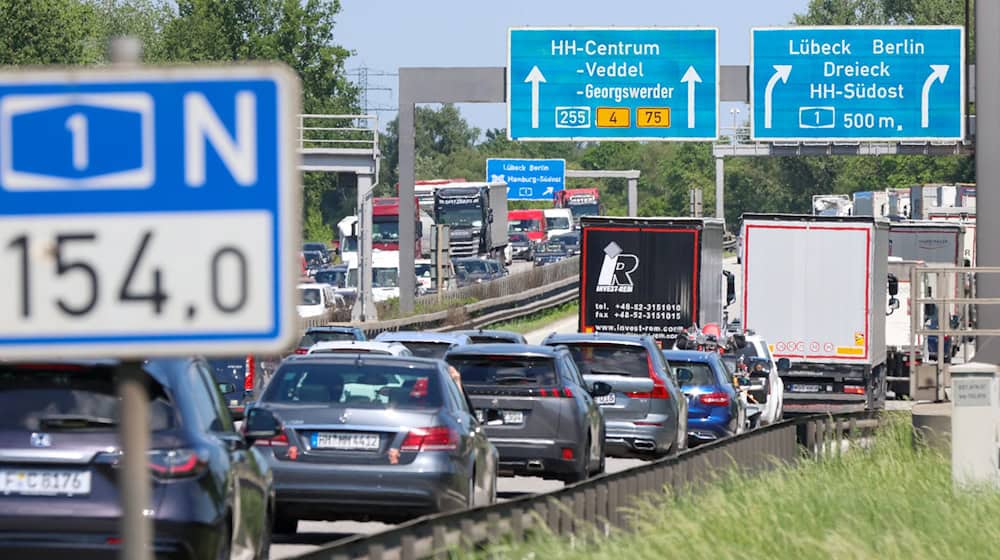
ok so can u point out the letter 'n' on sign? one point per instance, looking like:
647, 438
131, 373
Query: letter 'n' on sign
202, 126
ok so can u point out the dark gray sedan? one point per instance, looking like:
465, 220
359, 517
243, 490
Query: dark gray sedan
540, 412
374, 437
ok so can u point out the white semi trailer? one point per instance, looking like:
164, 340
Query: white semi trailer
816, 288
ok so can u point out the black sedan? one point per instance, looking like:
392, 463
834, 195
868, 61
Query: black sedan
521, 247
60, 461
550, 252
374, 437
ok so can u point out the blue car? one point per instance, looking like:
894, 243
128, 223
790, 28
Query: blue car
715, 408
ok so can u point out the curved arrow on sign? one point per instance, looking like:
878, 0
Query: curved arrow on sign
781, 72
938, 72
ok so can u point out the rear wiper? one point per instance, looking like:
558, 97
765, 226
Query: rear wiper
513, 379
75, 421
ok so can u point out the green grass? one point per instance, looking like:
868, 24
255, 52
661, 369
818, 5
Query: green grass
538, 320
890, 501
389, 309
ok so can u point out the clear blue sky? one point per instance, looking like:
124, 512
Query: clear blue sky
389, 34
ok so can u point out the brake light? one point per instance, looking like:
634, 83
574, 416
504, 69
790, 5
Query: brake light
175, 463
714, 399
301, 351
556, 392
438, 438
250, 372
854, 389
280, 440
567, 453
567, 393
659, 387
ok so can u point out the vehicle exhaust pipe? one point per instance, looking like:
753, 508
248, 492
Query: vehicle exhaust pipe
644, 445
535, 465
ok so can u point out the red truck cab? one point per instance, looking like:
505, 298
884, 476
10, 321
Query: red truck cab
385, 222
531, 222
581, 202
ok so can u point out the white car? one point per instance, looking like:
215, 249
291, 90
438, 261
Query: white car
558, 221
771, 408
360, 347
317, 301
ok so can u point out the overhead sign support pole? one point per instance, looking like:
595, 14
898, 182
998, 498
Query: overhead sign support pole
988, 171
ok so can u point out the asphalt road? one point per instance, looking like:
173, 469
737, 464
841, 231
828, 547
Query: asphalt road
314, 533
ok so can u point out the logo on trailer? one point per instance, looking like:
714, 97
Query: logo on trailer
616, 272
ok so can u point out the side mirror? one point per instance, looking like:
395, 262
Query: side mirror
730, 287
893, 303
489, 217
601, 389
684, 375
784, 364
893, 285
260, 423
227, 388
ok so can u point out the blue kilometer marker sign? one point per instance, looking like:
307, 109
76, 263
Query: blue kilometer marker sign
612, 84
528, 179
858, 83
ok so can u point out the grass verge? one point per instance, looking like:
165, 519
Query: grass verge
889, 501
389, 309
538, 320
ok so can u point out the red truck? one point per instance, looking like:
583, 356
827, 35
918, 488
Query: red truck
531, 222
385, 225
581, 202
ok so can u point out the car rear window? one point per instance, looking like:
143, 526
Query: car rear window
504, 370
366, 386
610, 359
352, 350
59, 397
325, 336
428, 349
701, 374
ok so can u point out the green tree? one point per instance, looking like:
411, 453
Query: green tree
440, 132
49, 32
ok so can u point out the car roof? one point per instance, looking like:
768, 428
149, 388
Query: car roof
687, 356
361, 359
332, 328
422, 336
570, 338
312, 285
359, 344
494, 333
505, 349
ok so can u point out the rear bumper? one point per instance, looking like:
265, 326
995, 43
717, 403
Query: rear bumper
383, 492
815, 403
179, 541
708, 429
538, 457
625, 439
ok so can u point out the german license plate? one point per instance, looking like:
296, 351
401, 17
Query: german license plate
45, 482
606, 399
513, 417
805, 388
345, 441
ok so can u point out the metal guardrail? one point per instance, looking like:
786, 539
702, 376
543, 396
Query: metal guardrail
336, 133
604, 502
510, 285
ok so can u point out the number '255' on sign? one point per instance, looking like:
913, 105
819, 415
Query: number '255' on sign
153, 211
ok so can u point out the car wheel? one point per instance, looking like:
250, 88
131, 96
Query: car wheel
284, 525
264, 549
225, 543
470, 496
602, 465
584, 472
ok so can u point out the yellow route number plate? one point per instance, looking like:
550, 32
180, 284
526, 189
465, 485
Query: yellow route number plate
613, 117
652, 117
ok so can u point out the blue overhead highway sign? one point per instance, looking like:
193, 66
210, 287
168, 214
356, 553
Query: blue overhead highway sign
612, 83
858, 83
148, 211
528, 179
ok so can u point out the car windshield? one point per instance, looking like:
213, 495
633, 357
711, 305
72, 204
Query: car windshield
385, 277
701, 374
336, 278
365, 386
311, 338
422, 270
468, 215
517, 238
611, 359
313, 257
314, 247
349, 244
524, 225
428, 349
505, 370
583, 209
309, 296
473, 266
61, 397
385, 231
551, 247
568, 239
558, 222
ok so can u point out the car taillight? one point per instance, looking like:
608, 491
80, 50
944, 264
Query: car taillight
659, 387
854, 389
714, 399
280, 440
175, 463
301, 351
438, 438
556, 392
250, 372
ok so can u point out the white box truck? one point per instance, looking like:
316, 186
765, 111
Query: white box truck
816, 288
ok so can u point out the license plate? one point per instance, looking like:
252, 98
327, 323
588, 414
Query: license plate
345, 442
805, 388
606, 399
45, 483
513, 417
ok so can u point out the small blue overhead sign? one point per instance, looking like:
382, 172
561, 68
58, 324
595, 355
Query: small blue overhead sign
528, 179
148, 211
612, 83
858, 83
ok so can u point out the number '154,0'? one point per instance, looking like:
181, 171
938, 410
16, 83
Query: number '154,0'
154, 293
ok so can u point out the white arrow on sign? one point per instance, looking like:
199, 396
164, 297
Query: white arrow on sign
781, 72
535, 77
691, 77
938, 72
548, 191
